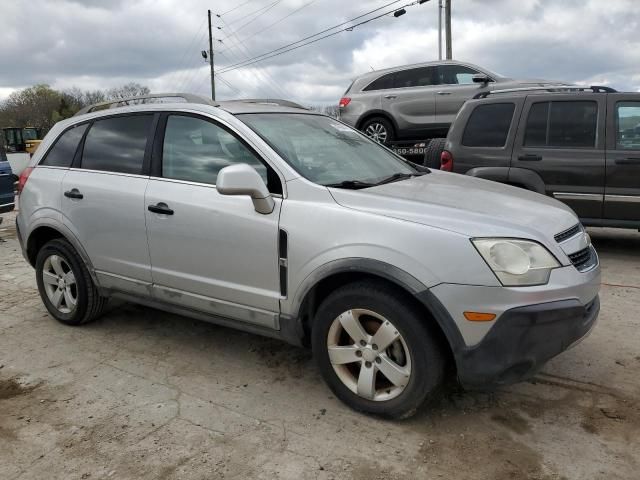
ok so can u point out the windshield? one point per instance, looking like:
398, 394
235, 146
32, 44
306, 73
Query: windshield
326, 151
29, 134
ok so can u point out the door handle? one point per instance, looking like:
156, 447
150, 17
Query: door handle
161, 208
444, 93
74, 193
390, 96
529, 157
628, 161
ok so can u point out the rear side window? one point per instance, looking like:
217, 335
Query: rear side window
415, 77
62, 152
385, 81
488, 125
117, 144
562, 124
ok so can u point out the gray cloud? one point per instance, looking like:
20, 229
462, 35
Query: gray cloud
99, 44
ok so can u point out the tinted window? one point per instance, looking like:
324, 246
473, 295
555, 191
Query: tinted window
117, 144
628, 125
536, 132
62, 152
488, 125
385, 81
416, 77
562, 124
196, 150
455, 75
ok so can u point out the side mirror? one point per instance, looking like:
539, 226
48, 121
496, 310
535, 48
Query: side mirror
480, 78
242, 179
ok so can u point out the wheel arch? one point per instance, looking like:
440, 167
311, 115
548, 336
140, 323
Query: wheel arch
377, 113
528, 179
45, 232
341, 272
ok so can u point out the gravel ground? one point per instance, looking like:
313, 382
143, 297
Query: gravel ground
145, 394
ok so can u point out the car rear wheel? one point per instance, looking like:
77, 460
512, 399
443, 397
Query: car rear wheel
379, 129
65, 285
434, 152
375, 352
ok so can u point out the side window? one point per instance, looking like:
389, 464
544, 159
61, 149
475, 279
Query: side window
415, 77
196, 150
385, 81
628, 126
63, 150
565, 124
117, 144
488, 125
455, 75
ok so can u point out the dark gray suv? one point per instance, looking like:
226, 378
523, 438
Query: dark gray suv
580, 146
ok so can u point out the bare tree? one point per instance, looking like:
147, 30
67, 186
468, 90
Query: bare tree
129, 90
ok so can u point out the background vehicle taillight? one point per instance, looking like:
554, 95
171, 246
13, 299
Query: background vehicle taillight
446, 161
344, 101
24, 176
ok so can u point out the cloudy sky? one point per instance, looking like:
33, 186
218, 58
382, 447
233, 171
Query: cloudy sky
100, 44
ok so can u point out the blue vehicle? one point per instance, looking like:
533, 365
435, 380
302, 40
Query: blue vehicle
7, 199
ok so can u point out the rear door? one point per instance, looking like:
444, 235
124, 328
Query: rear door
454, 87
622, 190
561, 140
211, 252
103, 199
411, 101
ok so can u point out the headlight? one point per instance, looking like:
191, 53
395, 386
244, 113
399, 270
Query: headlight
517, 262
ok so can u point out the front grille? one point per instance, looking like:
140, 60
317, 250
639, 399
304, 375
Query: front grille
584, 259
562, 236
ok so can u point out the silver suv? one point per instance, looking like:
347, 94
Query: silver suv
417, 101
287, 223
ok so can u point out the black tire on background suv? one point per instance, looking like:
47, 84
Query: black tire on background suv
433, 152
379, 129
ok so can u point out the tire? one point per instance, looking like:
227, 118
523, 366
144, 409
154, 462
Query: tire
59, 257
376, 127
433, 153
420, 367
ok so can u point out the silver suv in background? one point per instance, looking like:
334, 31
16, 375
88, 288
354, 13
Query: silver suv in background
287, 223
417, 101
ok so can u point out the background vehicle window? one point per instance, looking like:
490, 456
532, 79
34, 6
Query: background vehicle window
562, 124
455, 75
385, 81
117, 144
62, 152
488, 125
415, 77
628, 125
196, 150
536, 132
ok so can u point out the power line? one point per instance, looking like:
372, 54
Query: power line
324, 31
283, 50
235, 8
278, 21
261, 9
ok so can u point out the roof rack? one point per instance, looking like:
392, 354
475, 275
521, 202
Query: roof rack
268, 101
146, 99
550, 88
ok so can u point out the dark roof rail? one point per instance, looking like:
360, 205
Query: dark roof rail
550, 89
147, 99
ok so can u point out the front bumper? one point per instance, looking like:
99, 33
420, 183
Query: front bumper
523, 340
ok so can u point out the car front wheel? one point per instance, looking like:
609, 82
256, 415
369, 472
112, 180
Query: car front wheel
376, 352
379, 129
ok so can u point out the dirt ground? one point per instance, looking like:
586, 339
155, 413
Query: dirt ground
145, 394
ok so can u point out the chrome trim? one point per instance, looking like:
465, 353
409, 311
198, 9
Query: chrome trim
109, 172
597, 197
4, 174
8, 204
622, 198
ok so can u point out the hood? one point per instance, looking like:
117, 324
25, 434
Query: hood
463, 204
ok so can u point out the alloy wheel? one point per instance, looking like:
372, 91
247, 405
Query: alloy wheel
369, 355
60, 284
377, 132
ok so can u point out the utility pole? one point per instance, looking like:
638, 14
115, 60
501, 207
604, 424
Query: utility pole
439, 29
213, 81
447, 25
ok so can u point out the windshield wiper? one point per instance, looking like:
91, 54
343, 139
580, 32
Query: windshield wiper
398, 176
351, 184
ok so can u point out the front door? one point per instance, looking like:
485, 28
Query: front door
622, 190
103, 200
562, 143
210, 252
455, 86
